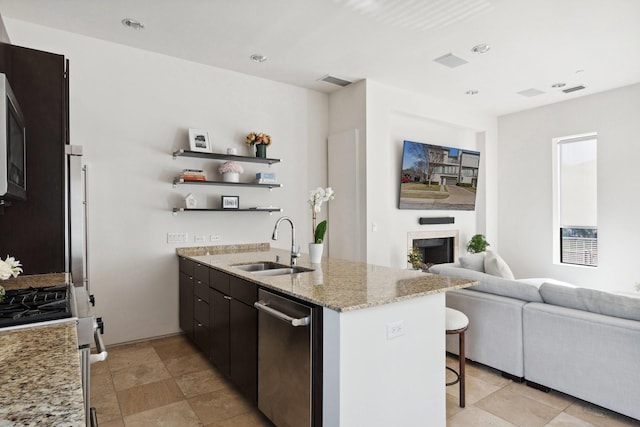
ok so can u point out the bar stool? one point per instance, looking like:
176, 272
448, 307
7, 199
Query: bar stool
456, 322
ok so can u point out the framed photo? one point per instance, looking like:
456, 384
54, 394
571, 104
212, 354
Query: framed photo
199, 140
230, 202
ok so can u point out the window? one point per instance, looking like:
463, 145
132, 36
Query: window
576, 200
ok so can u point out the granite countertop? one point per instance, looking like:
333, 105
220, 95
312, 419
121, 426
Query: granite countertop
336, 284
40, 378
35, 281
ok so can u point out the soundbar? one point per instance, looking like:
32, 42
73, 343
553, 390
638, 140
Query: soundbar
437, 220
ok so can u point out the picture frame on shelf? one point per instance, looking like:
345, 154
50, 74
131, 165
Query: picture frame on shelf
199, 141
230, 202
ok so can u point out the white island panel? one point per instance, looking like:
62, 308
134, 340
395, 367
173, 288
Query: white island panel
371, 380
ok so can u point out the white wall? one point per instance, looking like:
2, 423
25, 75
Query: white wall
395, 115
130, 109
525, 186
371, 380
4, 37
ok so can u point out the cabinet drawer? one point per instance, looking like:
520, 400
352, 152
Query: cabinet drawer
186, 266
201, 273
243, 290
219, 280
201, 311
201, 290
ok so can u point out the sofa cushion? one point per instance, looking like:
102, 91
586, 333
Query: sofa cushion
538, 281
473, 262
496, 266
495, 285
592, 300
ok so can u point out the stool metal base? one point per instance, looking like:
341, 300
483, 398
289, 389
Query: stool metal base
460, 375
457, 380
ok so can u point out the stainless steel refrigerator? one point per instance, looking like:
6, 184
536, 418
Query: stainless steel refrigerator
90, 328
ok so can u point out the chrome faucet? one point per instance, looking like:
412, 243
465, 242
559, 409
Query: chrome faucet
295, 252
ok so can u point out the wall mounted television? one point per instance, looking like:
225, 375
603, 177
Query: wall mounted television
438, 177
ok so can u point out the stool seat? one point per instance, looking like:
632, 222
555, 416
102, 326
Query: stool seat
455, 320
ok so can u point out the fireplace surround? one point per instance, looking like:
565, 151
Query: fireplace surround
437, 246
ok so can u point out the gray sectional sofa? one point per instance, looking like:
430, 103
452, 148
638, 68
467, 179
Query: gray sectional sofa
581, 342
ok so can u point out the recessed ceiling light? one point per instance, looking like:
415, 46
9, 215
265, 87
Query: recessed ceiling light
132, 23
481, 48
256, 57
471, 92
558, 85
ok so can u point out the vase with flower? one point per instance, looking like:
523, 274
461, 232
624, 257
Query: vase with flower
261, 141
316, 197
10, 267
230, 171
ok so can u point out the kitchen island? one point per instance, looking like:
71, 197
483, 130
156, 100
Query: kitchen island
383, 340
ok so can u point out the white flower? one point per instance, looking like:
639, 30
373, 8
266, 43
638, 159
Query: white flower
319, 195
9, 267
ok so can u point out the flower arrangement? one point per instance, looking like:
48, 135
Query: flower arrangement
8, 268
258, 138
316, 197
415, 257
230, 167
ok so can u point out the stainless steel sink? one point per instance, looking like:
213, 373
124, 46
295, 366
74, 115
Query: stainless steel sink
269, 268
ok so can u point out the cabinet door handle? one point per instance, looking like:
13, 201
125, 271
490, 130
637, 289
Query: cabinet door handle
199, 325
199, 300
227, 297
190, 277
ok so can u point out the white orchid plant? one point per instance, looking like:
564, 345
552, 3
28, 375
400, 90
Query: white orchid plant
10, 267
316, 197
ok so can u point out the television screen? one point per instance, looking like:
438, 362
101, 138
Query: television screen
436, 177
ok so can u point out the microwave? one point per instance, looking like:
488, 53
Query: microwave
13, 156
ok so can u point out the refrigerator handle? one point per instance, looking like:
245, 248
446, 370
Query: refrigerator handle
85, 223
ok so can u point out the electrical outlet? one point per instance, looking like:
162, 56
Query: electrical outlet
395, 329
177, 237
199, 239
214, 238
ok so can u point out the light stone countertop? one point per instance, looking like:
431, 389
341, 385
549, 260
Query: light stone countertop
40, 378
336, 284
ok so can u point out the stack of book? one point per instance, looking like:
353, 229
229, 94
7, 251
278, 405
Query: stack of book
193, 175
266, 178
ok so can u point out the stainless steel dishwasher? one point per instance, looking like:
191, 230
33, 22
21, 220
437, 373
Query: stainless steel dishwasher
284, 360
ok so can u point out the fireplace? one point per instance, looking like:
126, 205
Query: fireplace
436, 247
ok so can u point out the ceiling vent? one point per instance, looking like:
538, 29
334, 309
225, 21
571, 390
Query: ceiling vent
450, 60
529, 93
573, 89
335, 80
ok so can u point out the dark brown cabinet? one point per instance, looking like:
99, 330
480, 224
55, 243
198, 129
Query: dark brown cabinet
33, 230
234, 329
186, 296
217, 314
201, 321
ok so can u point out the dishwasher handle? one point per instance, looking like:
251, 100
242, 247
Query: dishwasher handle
264, 306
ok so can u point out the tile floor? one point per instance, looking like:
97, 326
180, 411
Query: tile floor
166, 382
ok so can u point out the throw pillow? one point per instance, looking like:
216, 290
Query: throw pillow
496, 266
473, 262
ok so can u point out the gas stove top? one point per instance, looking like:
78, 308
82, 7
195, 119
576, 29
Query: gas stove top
31, 305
